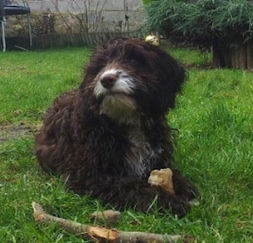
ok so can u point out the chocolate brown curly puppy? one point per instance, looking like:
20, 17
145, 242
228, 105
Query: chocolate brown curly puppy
108, 135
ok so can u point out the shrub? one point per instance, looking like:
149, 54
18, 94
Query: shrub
203, 20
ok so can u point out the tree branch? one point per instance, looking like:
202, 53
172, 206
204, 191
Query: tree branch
99, 234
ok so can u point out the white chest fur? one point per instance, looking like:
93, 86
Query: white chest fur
140, 154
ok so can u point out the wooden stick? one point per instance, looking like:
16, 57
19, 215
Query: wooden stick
99, 234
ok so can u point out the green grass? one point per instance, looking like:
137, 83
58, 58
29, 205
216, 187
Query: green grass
214, 148
29, 81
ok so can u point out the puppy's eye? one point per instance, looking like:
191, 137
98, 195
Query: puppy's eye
138, 60
134, 61
124, 76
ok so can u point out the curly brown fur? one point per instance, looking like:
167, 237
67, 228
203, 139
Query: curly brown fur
107, 136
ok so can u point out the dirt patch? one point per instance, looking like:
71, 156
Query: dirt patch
8, 132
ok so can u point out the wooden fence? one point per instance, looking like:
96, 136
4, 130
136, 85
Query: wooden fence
235, 52
60, 40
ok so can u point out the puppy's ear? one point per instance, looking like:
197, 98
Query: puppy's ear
171, 76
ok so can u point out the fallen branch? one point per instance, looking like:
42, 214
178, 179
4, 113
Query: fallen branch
99, 234
109, 217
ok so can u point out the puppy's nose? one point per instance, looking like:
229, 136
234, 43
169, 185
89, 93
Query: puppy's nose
109, 80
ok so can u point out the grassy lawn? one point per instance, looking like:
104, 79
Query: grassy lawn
214, 148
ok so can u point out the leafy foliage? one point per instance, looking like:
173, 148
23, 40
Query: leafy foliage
201, 21
147, 1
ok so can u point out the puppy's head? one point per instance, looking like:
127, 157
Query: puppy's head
127, 77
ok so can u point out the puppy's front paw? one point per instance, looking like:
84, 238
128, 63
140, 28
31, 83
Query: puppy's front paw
180, 208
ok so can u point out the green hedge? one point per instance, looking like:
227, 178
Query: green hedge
201, 21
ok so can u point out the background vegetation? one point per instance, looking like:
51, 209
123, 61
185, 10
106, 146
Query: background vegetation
225, 26
203, 20
214, 118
